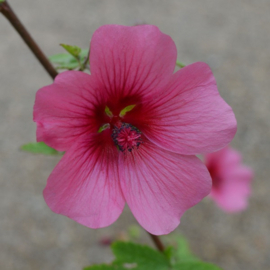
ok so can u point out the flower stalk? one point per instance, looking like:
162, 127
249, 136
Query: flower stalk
157, 242
7, 11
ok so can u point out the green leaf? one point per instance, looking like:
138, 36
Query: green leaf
134, 231
138, 257
182, 252
195, 266
62, 58
64, 61
84, 53
39, 148
169, 252
73, 50
104, 267
2, 1
68, 61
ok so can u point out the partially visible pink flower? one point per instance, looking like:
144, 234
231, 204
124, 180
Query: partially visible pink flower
231, 179
131, 131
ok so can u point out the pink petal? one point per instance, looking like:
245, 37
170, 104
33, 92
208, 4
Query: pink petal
159, 186
223, 159
190, 117
64, 110
85, 184
234, 191
231, 180
132, 60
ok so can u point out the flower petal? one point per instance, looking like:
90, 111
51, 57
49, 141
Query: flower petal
84, 185
231, 179
64, 110
159, 186
234, 190
224, 159
132, 60
190, 117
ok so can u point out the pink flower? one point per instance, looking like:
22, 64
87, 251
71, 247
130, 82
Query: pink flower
231, 179
131, 130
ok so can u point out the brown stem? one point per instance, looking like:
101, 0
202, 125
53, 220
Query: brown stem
157, 242
6, 10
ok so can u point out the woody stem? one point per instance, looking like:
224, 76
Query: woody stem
157, 242
7, 11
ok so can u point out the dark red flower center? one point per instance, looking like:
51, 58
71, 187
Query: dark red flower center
126, 137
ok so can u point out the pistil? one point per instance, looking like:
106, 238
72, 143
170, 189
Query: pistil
126, 137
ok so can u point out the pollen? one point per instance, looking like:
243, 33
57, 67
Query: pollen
126, 137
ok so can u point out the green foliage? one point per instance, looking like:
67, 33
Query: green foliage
134, 232
169, 253
182, 253
69, 60
195, 266
140, 257
104, 267
73, 50
39, 148
2, 1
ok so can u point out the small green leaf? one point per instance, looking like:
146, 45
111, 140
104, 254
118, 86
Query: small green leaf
138, 257
62, 58
39, 148
182, 252
195, 266
134, 231
64, 61
70, 66
68, 61
73, 50
180, 64
126, 109
169, 252
84, 53
104, 267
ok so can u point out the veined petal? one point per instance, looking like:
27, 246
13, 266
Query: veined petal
190, 117
64, 110
132, 60
85, 184
159, 186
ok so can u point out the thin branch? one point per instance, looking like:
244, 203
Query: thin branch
6, 10
157, 242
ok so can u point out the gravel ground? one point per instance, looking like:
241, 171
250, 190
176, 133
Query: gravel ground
231, 36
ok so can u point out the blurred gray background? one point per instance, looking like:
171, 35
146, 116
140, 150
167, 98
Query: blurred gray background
232, 36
